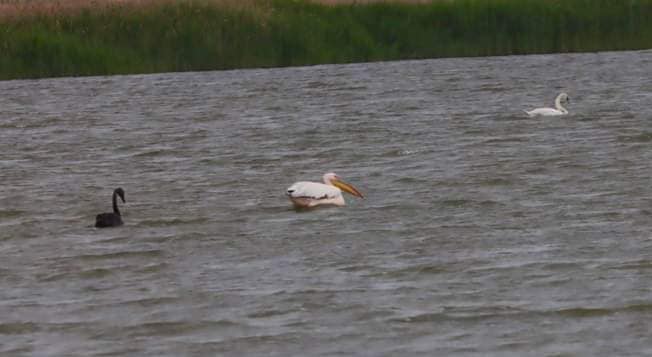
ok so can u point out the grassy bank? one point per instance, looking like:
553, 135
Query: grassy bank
44, 40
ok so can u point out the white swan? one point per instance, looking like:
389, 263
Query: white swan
558, 110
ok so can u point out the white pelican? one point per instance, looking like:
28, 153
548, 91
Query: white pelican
558, 110
306, 194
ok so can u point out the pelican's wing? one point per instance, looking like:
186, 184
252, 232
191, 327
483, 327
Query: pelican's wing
314, 190
544, 112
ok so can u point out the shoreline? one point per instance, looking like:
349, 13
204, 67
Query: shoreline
329, 64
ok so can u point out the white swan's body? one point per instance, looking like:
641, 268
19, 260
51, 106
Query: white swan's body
557, 110
306, 194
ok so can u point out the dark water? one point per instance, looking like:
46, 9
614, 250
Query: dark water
483, 232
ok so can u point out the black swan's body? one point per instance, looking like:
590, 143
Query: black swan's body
111, 219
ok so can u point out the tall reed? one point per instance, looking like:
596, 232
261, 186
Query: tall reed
153, 36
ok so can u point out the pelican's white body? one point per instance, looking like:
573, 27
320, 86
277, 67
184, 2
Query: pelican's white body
310, 194
305, 194
557, 110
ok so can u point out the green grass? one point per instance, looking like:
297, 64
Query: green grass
200, 35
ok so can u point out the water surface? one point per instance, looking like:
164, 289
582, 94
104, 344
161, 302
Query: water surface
483, 232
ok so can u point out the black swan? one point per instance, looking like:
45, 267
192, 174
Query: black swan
111, 219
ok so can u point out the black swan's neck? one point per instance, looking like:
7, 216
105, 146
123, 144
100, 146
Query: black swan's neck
115, 204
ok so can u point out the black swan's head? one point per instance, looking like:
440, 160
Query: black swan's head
120, 192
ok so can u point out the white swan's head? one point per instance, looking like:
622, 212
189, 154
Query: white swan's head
562, 98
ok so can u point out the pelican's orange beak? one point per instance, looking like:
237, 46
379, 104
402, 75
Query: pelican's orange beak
346, 188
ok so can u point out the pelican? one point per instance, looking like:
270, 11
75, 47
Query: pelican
558, 110
306, 194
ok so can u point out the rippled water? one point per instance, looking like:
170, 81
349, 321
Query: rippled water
483, 232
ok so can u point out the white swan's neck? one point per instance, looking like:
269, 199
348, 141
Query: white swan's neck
559, 106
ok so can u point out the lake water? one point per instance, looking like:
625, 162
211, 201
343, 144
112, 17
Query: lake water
483, 232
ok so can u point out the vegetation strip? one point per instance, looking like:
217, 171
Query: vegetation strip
68, 38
